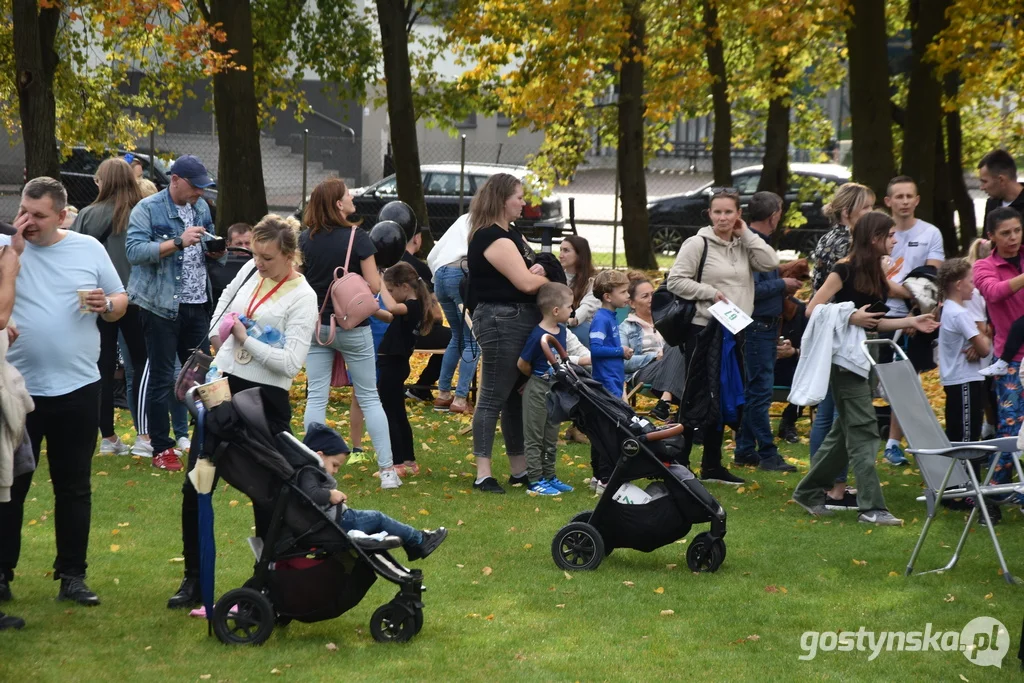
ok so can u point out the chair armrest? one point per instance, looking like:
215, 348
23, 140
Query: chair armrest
1005, 444
959, 451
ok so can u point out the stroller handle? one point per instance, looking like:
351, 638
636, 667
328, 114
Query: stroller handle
546, 342
665, 432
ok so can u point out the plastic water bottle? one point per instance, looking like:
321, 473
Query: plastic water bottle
213, 373
272, 337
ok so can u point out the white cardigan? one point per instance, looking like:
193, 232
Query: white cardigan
294, 314
828, 339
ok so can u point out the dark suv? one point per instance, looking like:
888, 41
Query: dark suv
674, 218
441, 190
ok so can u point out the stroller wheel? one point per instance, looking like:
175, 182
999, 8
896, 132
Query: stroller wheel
705, 555
578, 546
243, 616
393, 623
582, 516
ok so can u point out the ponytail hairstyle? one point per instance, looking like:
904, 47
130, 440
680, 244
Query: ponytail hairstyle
979, 249
284, 232
636, 278
847, 199
865, 258
585, 270
403, 274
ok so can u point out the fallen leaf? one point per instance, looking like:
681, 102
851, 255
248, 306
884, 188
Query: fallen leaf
753, 637
101, 474
861, 563
424, 511
148, 648
628, 584
560, 606
233, 503
771, 589
528, 546
459, 523
460, 566
567, 575
667, 612
965, 679
123, 524
659, 590
205, 677
868, 532
487, 571
115, 532
671, 566
741, 489
489, 617
331, 647
893, 573
472, 615
32, 522
949, 597
114, 547
989, 596
176, 559
275, 671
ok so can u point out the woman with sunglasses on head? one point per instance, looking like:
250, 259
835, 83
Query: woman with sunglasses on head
734, 253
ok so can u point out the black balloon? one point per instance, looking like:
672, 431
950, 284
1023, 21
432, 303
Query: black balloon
389, 239
400, 213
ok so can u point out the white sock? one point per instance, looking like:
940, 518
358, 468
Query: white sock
480, 480
890, 443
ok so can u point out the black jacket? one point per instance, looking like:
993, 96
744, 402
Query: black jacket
701, 403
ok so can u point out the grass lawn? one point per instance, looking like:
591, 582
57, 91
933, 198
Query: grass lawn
604, 260
498, 608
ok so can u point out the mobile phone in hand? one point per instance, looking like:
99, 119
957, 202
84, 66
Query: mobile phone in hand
215, 245
878, 307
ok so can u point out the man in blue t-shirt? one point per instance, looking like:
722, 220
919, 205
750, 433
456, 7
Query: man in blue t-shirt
66, 280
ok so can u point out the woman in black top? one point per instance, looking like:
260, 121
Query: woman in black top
324, 246
853, 437
505, 288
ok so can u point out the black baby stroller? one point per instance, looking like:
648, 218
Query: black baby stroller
307, 569
631, 449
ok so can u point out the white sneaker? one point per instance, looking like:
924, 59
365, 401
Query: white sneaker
184, 444
880, 518
997, 369
142, 448
115, 447
389, 479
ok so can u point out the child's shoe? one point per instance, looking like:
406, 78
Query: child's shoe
559, 486
389, 479
997, 369
115, 447
542, 488
431, 540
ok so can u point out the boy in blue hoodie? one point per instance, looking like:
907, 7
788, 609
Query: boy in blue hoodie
607, 353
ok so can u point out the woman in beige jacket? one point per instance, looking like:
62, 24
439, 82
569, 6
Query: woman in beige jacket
734, 253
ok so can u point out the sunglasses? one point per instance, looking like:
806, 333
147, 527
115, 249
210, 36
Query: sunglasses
724, 190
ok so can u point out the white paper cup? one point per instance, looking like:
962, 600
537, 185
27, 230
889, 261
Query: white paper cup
83, 307
214, 393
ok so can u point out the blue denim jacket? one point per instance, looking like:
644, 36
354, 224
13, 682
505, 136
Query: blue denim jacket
155, 283
633, 336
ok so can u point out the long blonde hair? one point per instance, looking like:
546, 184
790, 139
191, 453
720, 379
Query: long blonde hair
848, 198
488, 204
118, 186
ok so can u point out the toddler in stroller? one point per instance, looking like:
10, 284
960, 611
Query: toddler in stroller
307, 568
630, 449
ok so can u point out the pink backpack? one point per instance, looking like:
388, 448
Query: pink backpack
351, 296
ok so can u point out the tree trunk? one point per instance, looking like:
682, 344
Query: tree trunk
632, 179
870, 121
961, 198
393, 16
241, 195
35, 61
721, 143
775, 166
942, 198
924, 109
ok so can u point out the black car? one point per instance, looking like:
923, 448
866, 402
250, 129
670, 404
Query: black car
78, 173
675, 218
441, 190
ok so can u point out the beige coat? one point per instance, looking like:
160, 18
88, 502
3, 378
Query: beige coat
729, 269
15, 404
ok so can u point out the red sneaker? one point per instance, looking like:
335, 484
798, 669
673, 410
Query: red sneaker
167, 460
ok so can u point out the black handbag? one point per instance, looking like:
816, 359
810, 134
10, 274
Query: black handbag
673, 314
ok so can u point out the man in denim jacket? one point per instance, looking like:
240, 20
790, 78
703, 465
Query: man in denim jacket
170, 284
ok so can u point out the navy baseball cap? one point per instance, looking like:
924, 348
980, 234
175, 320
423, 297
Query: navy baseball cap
191, 169
322, 438
7, 229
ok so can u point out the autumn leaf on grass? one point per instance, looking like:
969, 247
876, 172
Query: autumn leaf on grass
115, 532
233, 503
861, 563
659, 590
331, 647
487, 571
893, 574
628, 584
667, 612
424, 512
949, 597
568, 576
560, 606
989, 596
114, 547
528, 546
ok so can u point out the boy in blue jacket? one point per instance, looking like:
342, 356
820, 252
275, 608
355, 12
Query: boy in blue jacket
607, 353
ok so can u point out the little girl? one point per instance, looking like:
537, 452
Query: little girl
405, 296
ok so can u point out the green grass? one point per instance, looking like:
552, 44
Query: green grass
525, 619
604, 260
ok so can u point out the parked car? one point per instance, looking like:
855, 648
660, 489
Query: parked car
677, 217
441, 190
78, 172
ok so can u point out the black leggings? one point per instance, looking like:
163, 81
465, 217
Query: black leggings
131, 328
1014, 340
392, 372
438, 338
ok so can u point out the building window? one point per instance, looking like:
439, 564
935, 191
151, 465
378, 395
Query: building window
469, 122
504, 121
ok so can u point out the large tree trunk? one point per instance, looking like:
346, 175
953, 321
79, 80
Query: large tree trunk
870, 120
394, 16
961, 198
924, 108
35, 61
721, 143
632, 179
942, 198
241, 196
775, 165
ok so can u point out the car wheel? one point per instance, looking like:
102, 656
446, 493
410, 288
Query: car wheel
666, 239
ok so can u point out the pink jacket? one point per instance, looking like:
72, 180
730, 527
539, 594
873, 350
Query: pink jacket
991, 277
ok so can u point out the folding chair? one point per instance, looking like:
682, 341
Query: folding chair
942, 464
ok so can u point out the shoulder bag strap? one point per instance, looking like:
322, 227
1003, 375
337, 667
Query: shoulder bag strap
106, 234
703, 260
327, 296
348, 254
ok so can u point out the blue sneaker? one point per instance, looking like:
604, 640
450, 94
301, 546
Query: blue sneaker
560, 486
894, 456
541, 488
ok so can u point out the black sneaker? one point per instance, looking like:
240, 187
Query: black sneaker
489, 485
788, 433
7, 621
720, 475
661, 411
431, 540
5, 589
522, 479
847, 502
73, 588
420, 394
776, 464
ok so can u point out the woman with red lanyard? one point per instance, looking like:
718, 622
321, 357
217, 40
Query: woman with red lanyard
269, 291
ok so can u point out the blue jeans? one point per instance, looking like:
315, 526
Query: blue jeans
356, 346
756, 438
375, 521
165, 340
462, 349
179, 414
824, 416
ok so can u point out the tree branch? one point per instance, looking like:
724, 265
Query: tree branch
204, 9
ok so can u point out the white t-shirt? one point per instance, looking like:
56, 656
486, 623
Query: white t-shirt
955, 333
915, 246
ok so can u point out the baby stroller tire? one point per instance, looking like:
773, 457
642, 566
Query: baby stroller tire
243, 616
582, 516
704, 554
394, 623
578, 546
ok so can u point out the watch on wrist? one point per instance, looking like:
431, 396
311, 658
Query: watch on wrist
110, 305
178, 244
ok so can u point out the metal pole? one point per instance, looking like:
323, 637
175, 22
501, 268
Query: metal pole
500, 145
615, 222
152, 154
305, 163
462, 176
